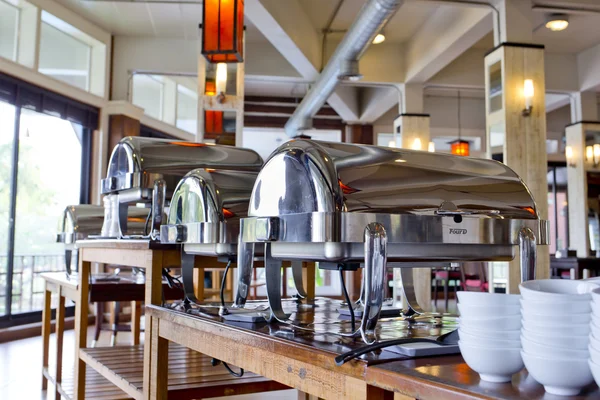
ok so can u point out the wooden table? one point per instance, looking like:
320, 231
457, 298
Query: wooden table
305, 361
150, 256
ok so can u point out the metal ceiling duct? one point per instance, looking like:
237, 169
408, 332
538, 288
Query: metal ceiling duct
371, 19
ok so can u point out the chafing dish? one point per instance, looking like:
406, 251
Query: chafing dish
145, 170
342, 204
79, 222
204, 214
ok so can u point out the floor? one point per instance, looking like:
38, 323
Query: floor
21, 368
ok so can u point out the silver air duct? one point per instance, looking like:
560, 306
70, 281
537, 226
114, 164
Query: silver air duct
373, 16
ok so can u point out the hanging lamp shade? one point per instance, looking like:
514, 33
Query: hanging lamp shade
210, 88
223, 31
459, 147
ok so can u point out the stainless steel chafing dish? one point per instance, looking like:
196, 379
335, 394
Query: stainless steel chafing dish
205, 213
144, 170
346, 204
79, 222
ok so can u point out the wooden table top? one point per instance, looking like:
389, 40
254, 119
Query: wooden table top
125, 244
448, 377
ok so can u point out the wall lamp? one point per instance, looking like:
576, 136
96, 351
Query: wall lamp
221, 82
570, 157
592, 155
528, 94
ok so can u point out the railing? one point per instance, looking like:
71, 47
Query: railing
28, 286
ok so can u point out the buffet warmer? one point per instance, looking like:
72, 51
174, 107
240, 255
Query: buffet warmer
206, 207
79, 222
145, 170
345, 205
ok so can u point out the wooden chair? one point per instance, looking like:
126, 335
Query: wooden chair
474, 277
445, 276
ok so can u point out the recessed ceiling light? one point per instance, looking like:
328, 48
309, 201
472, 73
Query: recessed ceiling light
380, 38
557, 22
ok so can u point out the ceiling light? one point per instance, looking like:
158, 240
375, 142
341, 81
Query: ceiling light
557, 22
380, 38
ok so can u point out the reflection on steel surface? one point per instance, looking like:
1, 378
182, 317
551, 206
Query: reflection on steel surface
313, 201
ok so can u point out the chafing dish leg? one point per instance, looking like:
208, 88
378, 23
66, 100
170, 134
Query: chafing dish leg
245, 261
528, 254
297, 274
273, 278
68, 255
123, 211
159, 194
187, 276
410, 295
373, 278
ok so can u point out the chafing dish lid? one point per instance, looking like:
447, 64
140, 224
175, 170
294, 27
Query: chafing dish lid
208, 195
305, 176
140, 155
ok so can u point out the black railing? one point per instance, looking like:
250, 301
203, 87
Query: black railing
28, 286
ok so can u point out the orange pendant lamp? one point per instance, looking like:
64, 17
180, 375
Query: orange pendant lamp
459, 147
223, 31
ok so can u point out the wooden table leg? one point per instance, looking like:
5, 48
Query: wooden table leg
136, 315
60, 329
46, 316
81, 324
153, 296
309, 279
159, 367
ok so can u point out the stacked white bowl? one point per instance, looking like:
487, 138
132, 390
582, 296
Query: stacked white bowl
594, 345
489, 331
554, 335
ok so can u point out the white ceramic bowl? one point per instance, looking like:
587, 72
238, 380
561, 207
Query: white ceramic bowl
559, 376
473, 311
556, 290
556, 308
487, 299
594, 354
552, 339
595, 368
557, 328
534, 317
476, 340
490, 334
594, 341
544, 350
596, 293
595, 308
493, 323
493, 364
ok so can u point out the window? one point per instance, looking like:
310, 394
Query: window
9, 28
148, 94
187, 109
64, 57
557, 208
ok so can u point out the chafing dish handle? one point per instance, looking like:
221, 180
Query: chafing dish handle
528, 254
374, 278
159, 194
245, 261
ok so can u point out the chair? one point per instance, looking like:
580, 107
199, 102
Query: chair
445, 276
474, 277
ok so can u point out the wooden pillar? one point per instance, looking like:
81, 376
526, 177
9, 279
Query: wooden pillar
579, 135
412, 132
523, 133
361, 134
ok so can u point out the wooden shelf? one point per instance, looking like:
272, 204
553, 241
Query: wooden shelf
191, 374
97, 387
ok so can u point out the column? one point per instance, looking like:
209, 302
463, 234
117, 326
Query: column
516, 114
584, 131
411, 128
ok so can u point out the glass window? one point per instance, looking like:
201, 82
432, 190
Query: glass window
557, 208
187, 109
64, 57
9, 25
148, 94
45, 185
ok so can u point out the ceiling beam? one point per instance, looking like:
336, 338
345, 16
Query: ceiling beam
587, 68
448, 33
288, 28
376, 101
